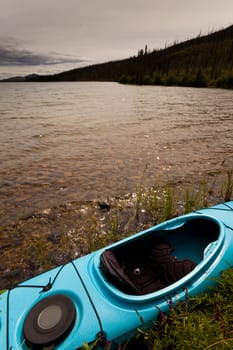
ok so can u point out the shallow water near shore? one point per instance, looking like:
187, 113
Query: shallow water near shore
64, 142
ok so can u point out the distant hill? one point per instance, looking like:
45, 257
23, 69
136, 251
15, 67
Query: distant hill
203, 61
30, 77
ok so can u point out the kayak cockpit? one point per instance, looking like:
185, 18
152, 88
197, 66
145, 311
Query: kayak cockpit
160, 257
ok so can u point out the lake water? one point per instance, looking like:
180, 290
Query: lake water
84, 141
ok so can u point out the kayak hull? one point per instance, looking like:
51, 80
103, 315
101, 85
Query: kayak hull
101, 309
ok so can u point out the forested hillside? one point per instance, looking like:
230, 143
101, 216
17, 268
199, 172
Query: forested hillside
201, 62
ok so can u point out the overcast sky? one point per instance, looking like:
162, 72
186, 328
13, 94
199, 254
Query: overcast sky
47, 36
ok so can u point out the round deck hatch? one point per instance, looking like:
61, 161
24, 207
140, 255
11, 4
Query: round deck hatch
50, 321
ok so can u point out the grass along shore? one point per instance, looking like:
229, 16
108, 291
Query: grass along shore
53, 236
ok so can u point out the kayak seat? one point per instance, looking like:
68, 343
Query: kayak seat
115, 273
146, 279
171, 269
157, 270
135, 281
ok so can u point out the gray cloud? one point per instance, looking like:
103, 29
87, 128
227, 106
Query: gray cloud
11, 55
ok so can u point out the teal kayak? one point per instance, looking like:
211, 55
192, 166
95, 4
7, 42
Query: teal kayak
107, 295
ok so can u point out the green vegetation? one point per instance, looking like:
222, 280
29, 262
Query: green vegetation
201, 323
205, 61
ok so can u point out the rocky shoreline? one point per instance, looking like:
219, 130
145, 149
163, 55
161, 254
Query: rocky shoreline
54, 236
